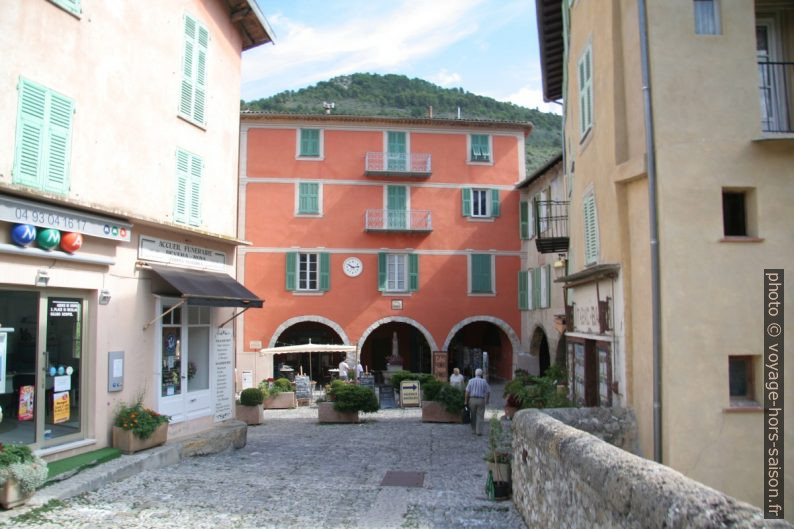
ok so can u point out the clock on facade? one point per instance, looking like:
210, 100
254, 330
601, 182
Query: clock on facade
352, 266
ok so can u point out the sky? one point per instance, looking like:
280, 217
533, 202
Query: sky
487, 47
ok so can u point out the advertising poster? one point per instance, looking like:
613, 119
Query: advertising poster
224, 381
25, 403
60, 407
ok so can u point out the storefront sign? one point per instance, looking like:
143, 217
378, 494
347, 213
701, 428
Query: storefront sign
179, 253
21, 211
60, 407
224, 375
409, 393
25, 411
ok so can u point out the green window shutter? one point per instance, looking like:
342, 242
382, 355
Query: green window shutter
396, 142
193, 90
547, 301
56, 176
308, 198
495, 203
591, 242
530, 289
381, 271
523, 298
523, 220
481, 273
30, 140
73, 6
536, 288
182, 186
194, 204
466, 196
310, 142
199, 100
413, 272
480, 149
292, 258
325, 272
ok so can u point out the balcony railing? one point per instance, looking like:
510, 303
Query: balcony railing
776, 86
415, 164
397, 220
551, 226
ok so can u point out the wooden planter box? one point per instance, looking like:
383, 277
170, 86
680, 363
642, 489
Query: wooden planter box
129, 443
327, 414
433, 411
250, 415
11, 494
282, 401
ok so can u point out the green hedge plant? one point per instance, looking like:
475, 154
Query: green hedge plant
251, 397
351, 397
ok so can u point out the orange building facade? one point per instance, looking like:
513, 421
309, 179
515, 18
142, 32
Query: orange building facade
396, 235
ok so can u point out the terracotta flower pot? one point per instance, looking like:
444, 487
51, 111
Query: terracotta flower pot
129, 443
327, 414
433, 411
11, 494
250, 415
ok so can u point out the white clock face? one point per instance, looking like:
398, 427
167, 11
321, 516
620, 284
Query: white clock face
352, 266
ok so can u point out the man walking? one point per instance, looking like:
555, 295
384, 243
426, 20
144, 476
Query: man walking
477, 394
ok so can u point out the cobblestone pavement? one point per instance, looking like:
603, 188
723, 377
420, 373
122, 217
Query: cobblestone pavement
296, 473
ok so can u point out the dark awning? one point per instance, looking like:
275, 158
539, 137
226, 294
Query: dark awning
203, 288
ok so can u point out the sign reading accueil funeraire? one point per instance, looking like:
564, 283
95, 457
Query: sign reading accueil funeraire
21, 211
179, 253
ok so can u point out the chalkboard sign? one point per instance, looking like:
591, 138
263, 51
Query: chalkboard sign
387, 397
368, 381
303, 388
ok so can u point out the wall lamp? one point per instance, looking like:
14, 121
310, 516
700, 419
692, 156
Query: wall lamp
42, 278
104, 297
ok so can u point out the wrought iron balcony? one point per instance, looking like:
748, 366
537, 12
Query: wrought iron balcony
551, 226
397, 220
415, 164
776, 86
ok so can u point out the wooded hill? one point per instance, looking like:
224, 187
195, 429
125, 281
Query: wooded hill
397, 95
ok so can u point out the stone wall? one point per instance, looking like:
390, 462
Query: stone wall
616, 426
564, 477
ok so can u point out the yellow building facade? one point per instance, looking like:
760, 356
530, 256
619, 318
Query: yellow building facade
721, 130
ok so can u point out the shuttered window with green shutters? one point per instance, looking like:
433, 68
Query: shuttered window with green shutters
480, 203
309, 143
308, 198
187, 205
545, 287
43, 138
398, 272
480, 148
307, 272
585, 75
536, 273
193, 90
523, 290
481, 274
523, 220
591, 239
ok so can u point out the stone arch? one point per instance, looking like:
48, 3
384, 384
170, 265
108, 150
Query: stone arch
312, 318
398, 319
511, 334
537, 335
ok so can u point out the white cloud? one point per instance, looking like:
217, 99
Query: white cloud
407, 33
530, 97
445, 78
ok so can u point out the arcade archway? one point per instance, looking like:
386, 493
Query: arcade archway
316, 364
539, 347
405, 337
470, 338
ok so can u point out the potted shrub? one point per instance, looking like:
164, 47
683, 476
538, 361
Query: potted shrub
249, 409
527, 391
279, 395
441, 402
344, 403
498, 456
21, 473
138, 428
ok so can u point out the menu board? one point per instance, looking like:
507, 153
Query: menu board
224, 384
440, 365
303, 389
368, 381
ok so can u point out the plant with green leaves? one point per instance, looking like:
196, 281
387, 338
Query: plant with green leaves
18, 462
142, 421
530, 391
500, 443
450, 397
251, 397
271, 388
351, 397
398, 376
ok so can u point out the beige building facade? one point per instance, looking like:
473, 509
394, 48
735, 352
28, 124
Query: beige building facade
720, 101
118, 172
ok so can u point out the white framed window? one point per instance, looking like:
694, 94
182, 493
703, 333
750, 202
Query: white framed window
309, 144
545, 279
585, 76
480, 147
480, 203
707, 17
397, 146
308, 271
396, 273
591, 239
308, 199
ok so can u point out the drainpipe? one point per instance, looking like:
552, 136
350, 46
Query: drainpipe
654, 234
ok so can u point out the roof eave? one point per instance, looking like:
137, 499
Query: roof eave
550, 40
